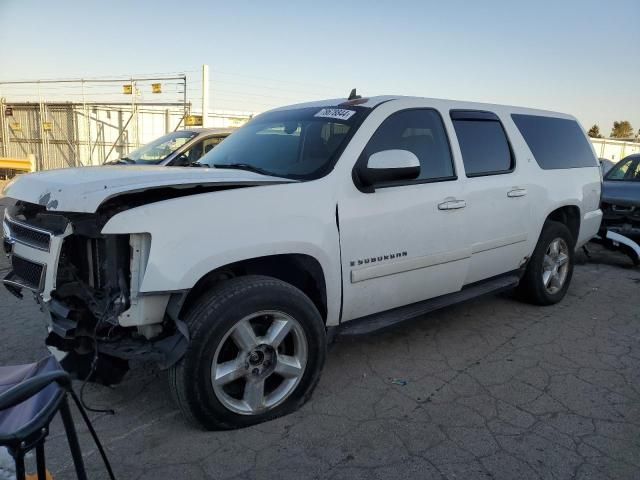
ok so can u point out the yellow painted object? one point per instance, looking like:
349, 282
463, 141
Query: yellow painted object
21, 164
34, 476
193, 121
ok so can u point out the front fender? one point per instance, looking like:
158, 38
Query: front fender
194, 235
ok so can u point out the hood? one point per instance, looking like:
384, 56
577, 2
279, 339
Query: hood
619, 192
84, 189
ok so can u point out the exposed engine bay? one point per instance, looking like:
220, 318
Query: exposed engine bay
89, 286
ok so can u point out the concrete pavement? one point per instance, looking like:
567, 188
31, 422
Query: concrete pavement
493, 389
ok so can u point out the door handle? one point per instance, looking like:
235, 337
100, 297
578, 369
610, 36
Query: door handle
516, 192
452, 205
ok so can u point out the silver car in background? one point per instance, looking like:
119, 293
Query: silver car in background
176, 149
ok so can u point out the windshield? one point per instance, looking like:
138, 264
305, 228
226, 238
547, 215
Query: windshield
627, 170
160, 148
300, 144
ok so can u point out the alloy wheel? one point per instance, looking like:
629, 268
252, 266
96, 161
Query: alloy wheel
260, 362
555, 266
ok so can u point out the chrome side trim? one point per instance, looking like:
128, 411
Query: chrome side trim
498, 242
408, 264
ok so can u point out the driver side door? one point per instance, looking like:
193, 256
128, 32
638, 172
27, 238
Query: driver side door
404, 241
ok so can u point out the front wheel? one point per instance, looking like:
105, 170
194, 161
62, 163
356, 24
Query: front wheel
548, 274
257, 348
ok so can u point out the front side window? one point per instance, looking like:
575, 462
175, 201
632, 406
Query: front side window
197, 150
422, 133
159, 149
625, 170
483, 143
301, 144
209, 143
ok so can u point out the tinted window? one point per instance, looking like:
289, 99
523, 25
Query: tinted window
555, 142
484, 145
420, 132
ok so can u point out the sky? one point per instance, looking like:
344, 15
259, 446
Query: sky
576, 56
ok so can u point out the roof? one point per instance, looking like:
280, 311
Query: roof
372, 102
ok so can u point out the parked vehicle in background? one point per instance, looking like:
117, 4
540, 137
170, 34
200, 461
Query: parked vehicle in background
176, 149
606, 165
621, 197
346, 216
621, 208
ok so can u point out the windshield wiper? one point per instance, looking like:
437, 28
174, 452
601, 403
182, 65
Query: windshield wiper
244, 166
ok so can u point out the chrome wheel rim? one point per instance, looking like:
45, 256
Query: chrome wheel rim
259, 362
555, 266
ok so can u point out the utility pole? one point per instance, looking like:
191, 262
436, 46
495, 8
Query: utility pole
205, 95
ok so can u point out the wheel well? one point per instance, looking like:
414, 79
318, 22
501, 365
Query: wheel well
569, 216
302, 271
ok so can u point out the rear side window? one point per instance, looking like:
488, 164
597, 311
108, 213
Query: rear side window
483, 142
555, 142
421, 132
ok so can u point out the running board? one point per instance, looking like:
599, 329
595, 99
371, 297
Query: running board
390, 318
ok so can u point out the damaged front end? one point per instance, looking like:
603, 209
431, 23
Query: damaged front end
89, 283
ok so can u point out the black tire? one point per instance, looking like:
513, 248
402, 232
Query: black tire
532, 287
211, 318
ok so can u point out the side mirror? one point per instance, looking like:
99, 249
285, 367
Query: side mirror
390, 166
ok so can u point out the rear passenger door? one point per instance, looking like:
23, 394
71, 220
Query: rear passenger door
496, 194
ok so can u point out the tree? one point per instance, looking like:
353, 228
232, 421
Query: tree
594, 132
622, 129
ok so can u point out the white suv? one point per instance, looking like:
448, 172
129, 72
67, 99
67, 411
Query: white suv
343, 216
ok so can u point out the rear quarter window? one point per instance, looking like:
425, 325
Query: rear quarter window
555, 142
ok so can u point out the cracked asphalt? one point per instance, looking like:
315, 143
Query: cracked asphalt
492, 389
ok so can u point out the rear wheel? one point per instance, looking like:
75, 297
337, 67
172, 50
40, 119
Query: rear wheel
548, 274
257, 348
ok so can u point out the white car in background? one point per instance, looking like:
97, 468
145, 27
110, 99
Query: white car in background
341, 216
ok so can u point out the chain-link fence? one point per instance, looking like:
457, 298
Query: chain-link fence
73, 123
73, 135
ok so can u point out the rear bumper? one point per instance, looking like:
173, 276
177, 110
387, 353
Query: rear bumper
589, 227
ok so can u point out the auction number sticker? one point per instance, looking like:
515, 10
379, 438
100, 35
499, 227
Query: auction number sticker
337, 113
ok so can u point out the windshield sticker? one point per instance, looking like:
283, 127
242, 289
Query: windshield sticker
337, 113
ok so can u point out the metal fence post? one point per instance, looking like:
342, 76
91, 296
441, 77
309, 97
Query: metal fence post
3, 133
87, 125
41, 161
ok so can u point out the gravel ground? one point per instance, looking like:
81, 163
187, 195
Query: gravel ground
493, 389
